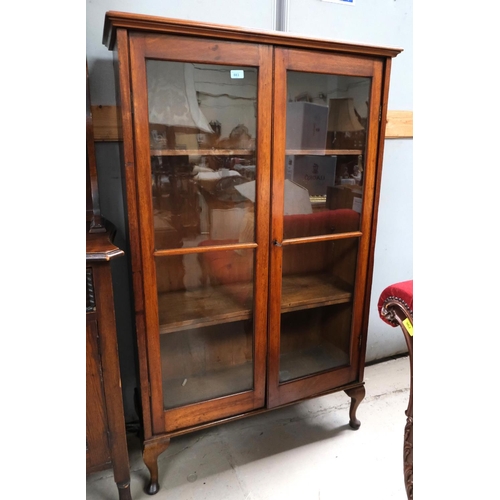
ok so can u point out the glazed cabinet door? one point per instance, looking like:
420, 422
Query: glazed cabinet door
326, 125
202, 126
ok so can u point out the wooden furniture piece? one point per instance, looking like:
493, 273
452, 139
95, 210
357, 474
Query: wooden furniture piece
395, 307
264, 302
105, 434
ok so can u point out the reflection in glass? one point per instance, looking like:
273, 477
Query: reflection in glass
202, 131
205, 310
204, 288
316, 306
326, 130
203, 145
324, 347
200, 364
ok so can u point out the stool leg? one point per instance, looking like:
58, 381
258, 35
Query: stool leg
356, 394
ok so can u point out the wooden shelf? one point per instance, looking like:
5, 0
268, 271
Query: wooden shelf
212, 305
324, 152
107, 125
246, 152
202, 152
306, 291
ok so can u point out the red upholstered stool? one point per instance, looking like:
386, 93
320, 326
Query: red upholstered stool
395, 307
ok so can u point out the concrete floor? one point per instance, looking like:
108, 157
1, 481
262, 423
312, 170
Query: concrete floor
302, 452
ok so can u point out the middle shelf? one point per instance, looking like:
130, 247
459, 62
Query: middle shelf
211, 305
246, 152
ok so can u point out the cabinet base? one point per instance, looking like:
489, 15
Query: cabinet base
154, 447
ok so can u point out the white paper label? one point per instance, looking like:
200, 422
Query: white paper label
237, 73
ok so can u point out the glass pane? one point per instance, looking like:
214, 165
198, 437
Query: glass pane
205, 363
325, 346
202, 125
205, 308
316, 306
326, 130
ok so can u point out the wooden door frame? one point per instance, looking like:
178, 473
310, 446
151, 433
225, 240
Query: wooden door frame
187, 49
338, 64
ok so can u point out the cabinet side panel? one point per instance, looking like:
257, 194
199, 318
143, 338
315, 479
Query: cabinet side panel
365, 256
145, 234
122, 59
384, 69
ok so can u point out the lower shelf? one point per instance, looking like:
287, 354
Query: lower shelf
306, 362
235, 379
206, 386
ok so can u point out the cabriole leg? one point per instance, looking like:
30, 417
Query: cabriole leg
150, 453
357, 394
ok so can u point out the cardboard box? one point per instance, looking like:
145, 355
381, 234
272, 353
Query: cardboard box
315, 173
306, 124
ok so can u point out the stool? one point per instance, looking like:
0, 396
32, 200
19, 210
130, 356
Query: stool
395, 307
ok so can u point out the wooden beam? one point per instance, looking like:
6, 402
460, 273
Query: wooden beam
399, 125
107, 123
107, 126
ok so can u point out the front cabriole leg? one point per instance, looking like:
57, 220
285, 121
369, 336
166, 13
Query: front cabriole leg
150, 453
356, 394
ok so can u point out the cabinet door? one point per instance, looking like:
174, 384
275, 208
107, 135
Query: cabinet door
202, 139
326, 120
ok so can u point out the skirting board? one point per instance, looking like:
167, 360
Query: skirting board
107, 126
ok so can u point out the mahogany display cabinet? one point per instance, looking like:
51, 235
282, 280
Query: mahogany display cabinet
252, 165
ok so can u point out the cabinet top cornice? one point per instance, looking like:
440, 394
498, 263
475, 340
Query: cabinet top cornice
140, 22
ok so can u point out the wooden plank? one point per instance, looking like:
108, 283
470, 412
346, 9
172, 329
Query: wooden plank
183, 309
309, 291
107, 123
206, 306
204, 152
155, 24
399, 125
107, 126
324, 152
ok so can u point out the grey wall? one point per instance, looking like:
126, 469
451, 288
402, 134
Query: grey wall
376, 22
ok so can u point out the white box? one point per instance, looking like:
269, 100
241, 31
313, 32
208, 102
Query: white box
306, 124
315, 173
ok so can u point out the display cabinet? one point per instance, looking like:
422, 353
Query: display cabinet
252, 165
